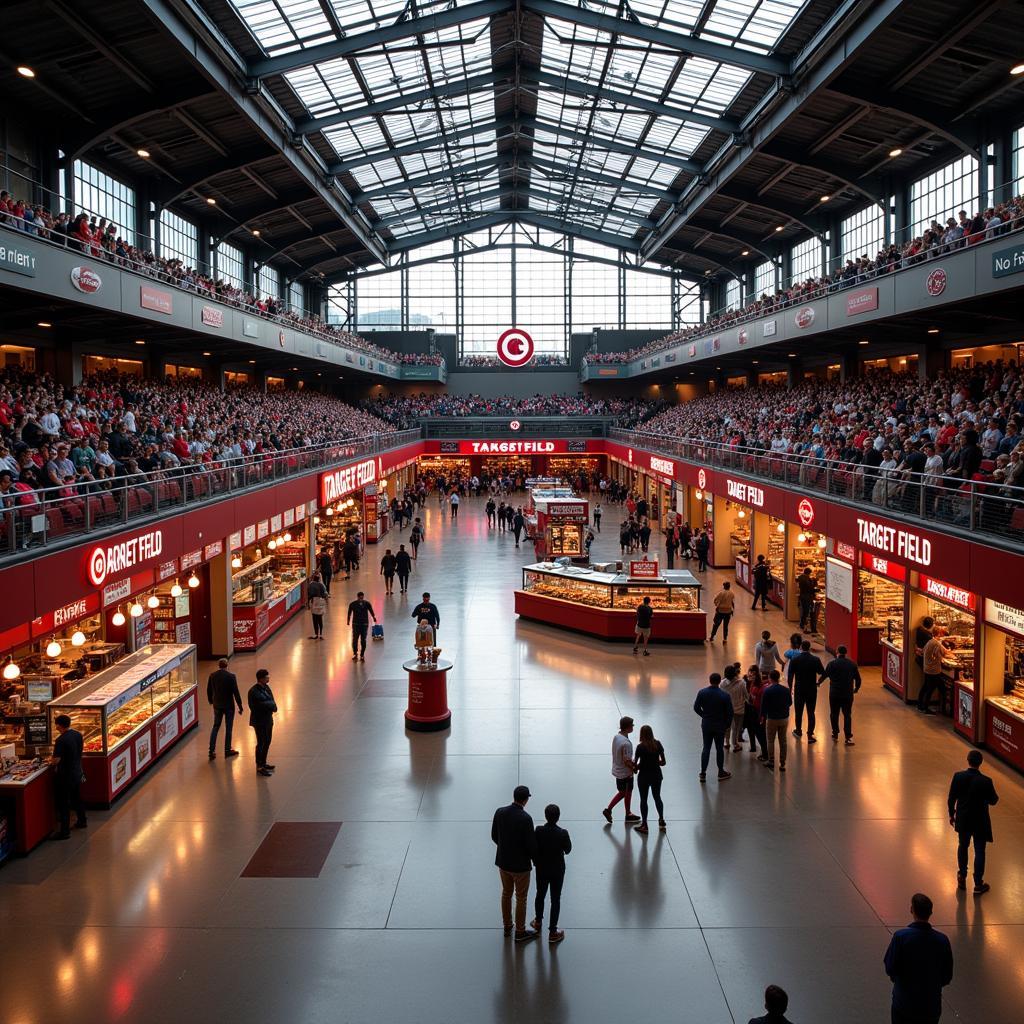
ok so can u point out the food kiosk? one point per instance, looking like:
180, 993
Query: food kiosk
129, 715
267, 585
604, 604
560, 526
1003, 680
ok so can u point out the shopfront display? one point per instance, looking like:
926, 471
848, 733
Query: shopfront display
572, 467
560, 525
267, 585
881, 596
131, 714
807, 551
1002, 681
448, 466
604, 603
26, 803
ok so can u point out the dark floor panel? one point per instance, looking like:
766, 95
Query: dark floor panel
293, 849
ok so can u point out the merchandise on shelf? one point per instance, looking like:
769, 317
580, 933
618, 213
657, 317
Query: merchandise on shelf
880, 606
1013, 678
958, 663
680, 591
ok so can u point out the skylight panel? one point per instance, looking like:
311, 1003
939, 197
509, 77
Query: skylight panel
751, 24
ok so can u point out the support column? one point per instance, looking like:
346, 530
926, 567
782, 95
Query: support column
222, 633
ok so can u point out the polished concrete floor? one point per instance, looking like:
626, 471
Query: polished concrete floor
794, 879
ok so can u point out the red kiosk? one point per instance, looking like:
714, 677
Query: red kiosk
428, 695
561, 526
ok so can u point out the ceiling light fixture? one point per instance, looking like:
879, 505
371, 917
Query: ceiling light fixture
256, 232
825, 199
11, 670
27, 72
207, 353
746, 252
236, 562
117, 619
44, 323
193, 581
791, 355
1017, 69
176, 590
140, 341
893, 153
864, 341
53, 649
144, 153
153, 601
136, 610
780, 227
933, 330
210, 201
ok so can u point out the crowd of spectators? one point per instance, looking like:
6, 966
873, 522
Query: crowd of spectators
420, 358
101, 239
493, 362
406, 411
115, 428
937, 240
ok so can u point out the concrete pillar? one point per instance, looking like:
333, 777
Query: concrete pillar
222, 635
931, 361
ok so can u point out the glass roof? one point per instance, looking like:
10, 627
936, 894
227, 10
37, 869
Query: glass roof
614, 114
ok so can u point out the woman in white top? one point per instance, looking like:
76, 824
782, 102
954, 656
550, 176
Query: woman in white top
884, 488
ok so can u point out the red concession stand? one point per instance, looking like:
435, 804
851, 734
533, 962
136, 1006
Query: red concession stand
561, 526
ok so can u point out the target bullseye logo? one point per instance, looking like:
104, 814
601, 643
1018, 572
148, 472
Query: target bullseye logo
514, 425
702, 480
98, 566
805, 513
515, 347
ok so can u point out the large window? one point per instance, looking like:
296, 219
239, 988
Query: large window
595, 295
296, 297
268, 282
179, 239
764, 279
487, 299
99, 193
379, 302
733, 294
805, 260
432, 289
1018, 161
540, 298
229, 263
862, 234
942, 193
648, 300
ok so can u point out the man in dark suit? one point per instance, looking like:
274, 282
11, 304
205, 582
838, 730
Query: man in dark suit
919, 961
262, 708
512, 833
553, 843
971, 794
67, 782
844, 681
222, 693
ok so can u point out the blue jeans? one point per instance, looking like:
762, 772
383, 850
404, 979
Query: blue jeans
716, 736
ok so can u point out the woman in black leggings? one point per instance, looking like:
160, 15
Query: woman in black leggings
650, 757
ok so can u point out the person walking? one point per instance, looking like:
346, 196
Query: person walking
403, 566
671, 547
490, 508
645, 535
805, 672
553, 843
844, 681
350, 555
971, 794
67, 777
650, 759
326, 567
518, 525
316, 593
735, 685
597, 517
222, 695
360, 611
715, 709
775, 704
642, 631
807, 599
756, 685
776, 1002
622, 771
919, 962
795, 647
501, 517
426, 609
932, 655
388, 565
262, 708
761, 577
513, 834
454, 502
701, 549
725, 605
766, 653
416, 537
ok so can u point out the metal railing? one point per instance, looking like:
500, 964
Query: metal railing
946, 503
54, 517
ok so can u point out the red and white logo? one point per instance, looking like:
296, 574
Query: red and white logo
630, 454
515, 347
743, 336
514, 425
805, 512
702, 479
97, 566
804, 317
936, 282
86, 280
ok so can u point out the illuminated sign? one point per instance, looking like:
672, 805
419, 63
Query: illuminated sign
553, 511
804, 317
746, 493
156, 299
212, 316
104, 560
644, 569
893, 541
70, 612
805, 512
339, 482
936, 282
511, 447
1003, 615
947, 592
844, 550
663, 466
864, 300
883, 567
86, 280
702, 479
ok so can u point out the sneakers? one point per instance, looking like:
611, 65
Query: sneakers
737, 746
770, 765
850, 742
526, 936
722, 776
703, 777
835, 737
642, 829
797, 732
555, 936
230, 753
607, 815
213, 756
763, 759
265, 772
662, 825
631, 819
635, 649
812, 739
981, 887
535, 924
782, 767
508, 931
647, 654
961, 881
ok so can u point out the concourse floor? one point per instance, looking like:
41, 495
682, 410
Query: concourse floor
796, 879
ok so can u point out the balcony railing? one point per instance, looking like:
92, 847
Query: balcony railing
59, 516
982, 507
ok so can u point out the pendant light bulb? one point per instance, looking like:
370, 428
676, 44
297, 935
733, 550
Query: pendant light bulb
11, 671
78, 638
53, 649
193, 581
136, 610
176, 590
117, 619
153, 601
236, 562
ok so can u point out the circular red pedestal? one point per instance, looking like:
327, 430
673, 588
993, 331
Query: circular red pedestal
428, 696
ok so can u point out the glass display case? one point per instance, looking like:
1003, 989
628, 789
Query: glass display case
679, 591
959, 629
120, 701
267, 592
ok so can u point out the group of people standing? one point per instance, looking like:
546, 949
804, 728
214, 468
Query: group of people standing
508, 518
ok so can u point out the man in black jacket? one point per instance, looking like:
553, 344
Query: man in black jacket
426, 609
67, 780
403, 566
222, 693
919, 961
553, 843
844, 681
971, 794
807, 599
262, 708
359, 612
512, 832
761, 577
805, 670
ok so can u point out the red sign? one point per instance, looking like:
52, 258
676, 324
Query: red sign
883, 567
66, 615
86, 280
191, 558
574, 512
156, 299
805, 512
936, 282
515, 348
863, 300
213, 550
844, 550
339, 482
691, 351
280, 338
644, 569
560, 447
212, 316
947, 592
514, 425
702, 479
743, 336
804, 317
107, 559
1004, 734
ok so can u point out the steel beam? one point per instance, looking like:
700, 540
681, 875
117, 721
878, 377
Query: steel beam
453, 174
207, 172
614, 146
450, 231
626, 184
798, 215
